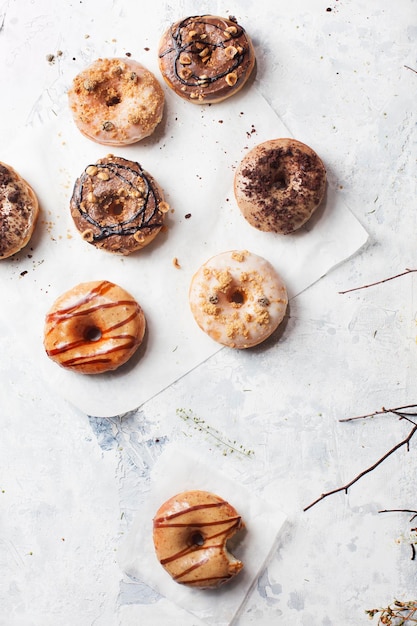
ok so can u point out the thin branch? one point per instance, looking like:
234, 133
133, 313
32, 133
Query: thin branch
383, 411
405, 442
410, 68
379, 282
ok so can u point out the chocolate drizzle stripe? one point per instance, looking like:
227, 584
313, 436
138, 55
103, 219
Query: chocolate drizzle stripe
185, 552
62, 315
163, 524
197, 507
101, 357
126, 227
179, 47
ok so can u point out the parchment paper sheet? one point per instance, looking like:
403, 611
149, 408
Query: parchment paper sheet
178, 470
193, 155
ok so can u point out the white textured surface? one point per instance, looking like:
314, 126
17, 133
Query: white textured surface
70, 485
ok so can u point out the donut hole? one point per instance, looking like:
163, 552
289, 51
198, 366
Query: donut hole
115, 207
280, 180
197, 539
92, 333
237, 296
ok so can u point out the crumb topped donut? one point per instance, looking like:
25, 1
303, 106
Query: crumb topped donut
117, 206
93, 328
116, 101
19, 210
279, 184
190, 533
206, 58
238, 298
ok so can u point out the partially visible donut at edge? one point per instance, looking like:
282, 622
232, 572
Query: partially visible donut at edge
279, 184
116, 101
19, 210
206, 58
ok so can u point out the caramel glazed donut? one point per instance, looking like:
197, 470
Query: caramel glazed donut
279, 184
190, 532
117, 206
206, 59
93, 328
116, 101
19, 210
238, 299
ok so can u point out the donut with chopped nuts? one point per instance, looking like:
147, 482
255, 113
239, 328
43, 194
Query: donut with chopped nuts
19, 210
279, 184
238, 298
206, 59
117, 206
116, 101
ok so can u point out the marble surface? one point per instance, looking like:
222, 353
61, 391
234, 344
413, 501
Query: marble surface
342, 77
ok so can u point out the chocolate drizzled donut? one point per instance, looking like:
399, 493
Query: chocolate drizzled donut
206, 59
118, 206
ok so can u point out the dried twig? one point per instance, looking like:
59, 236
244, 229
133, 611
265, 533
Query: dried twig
396, 613
345, 488
379, 282
412, 543
399, 410
410, 68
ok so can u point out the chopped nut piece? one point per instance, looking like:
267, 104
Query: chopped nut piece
103, 175
88, 235
185, 73
108, 126
91, 170
140, 237
91, 197
232, 30
204, 52
264, 301
231, 79
230, 52
203, 80
133, 77
185, 59
89, 85
176, 263
164, 207
192, 34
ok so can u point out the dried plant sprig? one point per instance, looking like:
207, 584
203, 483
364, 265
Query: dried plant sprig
396, 614
380, 282
199, 424
396, 410
404, 442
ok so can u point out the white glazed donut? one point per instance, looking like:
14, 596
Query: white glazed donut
238, 298
116, 101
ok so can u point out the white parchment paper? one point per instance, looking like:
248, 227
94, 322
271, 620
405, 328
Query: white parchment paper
193, 155
178, 470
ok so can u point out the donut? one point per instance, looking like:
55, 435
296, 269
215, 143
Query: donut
206, 59
279, 184
93, 328
238, 298
190, 534
116, 101
19, 210
117, 206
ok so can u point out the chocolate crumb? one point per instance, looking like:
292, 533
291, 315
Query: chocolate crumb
187, 216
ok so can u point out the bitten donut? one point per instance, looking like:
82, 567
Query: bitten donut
279, 184
117, 206
93, 328
238, 298
190, 533
206, 58
19, 210
116, 101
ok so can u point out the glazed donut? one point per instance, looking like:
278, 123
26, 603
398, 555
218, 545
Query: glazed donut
19, 210
117, 206
238, 298
279, 184
116, 101
93, 328
206, 58
190, 533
